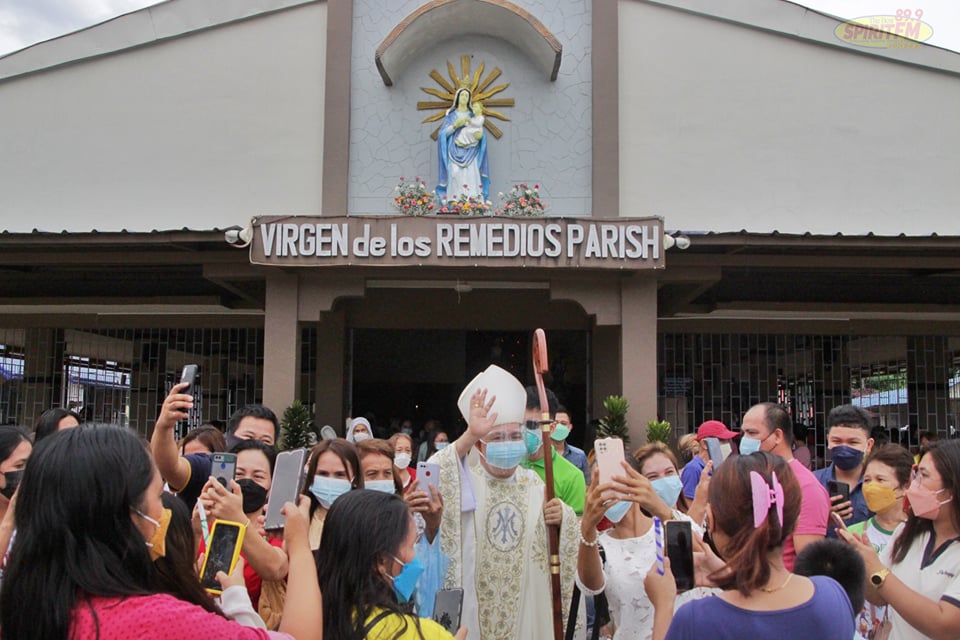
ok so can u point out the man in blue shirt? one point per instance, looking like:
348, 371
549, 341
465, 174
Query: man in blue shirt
186, 475
690, 476
849, 443
574, 455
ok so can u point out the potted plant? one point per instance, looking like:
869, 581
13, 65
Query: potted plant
658, 431
295, 427
614, 424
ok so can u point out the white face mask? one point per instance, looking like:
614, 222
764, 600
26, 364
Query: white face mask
362, 435
401, 460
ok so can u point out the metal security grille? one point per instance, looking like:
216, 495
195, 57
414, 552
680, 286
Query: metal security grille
909, 382
121, 376
307, 385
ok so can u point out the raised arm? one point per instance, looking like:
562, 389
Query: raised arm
303, 608
173, 468
589, 565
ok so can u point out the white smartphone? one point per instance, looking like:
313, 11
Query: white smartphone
428, 473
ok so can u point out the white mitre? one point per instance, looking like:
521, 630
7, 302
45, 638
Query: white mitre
511, 402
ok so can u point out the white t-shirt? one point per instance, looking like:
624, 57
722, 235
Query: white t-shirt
938, 580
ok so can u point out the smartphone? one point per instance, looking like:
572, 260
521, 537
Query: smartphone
226, 539
680, 551
726, 449
609, 452
223, 467
714, 451
428, 473
287, 480
189, 375
837, 520
835, 488
447, 607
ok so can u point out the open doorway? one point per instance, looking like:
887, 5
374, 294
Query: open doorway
418, 375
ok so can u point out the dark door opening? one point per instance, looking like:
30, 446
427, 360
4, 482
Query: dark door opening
419, 374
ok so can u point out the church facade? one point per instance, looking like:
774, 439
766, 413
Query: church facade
741, 204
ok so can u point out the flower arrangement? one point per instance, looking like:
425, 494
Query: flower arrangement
522, 201
465, 206
412, 198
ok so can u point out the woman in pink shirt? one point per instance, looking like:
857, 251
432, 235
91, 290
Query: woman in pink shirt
90, 522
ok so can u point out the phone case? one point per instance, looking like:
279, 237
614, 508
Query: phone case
447, 608
680, 551
609, 456
428, 473
835, 488
287, 479
189, 374
714, 451
223, 467
226, 540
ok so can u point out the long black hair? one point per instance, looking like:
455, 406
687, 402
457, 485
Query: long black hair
946, 460
176, 571
75, 535
363, 528
49, 422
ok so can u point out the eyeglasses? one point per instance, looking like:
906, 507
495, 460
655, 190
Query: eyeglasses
534, 425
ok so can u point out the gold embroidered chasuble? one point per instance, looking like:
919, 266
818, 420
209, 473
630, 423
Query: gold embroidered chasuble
506, 555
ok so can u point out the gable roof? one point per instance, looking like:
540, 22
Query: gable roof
156, 23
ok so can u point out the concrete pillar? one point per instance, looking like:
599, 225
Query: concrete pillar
281, 341
331, 361
605, 368
638, 349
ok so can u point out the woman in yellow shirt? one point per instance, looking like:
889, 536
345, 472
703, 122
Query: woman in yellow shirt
366, 564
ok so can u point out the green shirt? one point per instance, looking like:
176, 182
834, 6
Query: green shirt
568, 482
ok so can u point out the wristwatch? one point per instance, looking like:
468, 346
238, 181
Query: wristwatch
877, 579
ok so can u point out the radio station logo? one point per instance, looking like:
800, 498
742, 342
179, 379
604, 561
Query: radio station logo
905, 29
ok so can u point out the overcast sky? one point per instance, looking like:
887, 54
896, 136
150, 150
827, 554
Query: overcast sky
25, 22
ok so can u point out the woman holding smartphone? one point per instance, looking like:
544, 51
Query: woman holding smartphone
650, 482
367, 580
916, 575
90, 521
754, 502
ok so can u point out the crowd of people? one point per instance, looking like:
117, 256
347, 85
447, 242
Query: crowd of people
105, 534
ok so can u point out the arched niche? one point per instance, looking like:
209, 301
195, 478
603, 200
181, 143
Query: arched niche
453, 18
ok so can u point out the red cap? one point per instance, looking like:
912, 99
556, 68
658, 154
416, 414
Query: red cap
715, 429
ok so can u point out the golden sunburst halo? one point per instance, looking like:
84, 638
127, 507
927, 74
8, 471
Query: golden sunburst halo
480, 91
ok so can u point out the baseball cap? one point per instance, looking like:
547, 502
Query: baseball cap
715, 429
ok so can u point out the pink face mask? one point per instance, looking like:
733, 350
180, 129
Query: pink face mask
923, 501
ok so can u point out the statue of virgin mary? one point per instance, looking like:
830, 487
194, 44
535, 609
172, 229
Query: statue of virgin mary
462, 150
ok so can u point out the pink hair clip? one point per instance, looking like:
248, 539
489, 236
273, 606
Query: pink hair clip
765, 496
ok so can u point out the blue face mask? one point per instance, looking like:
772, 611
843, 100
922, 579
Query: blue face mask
533, 439
386, 486
441, 445
327, 490
846, 458
505, 455
405, 582
750, 445
668, 488
617, 510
